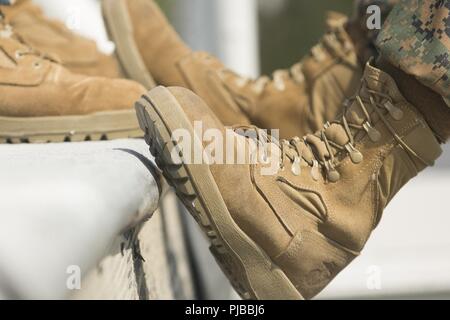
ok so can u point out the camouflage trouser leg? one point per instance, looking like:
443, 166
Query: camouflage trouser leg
416, 38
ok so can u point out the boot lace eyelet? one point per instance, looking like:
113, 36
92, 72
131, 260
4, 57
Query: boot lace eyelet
395, 112
18, 54
315, 172
280, 86
373, 133
295, 168
333, 175
355, 155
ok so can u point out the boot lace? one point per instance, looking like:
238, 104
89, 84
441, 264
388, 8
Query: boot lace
322, 151
278, 79
6, 31
295, 73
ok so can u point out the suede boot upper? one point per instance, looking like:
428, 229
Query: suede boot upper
34, 85
314, 214
78, 54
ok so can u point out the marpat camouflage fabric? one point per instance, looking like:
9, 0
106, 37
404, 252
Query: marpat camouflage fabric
416, 38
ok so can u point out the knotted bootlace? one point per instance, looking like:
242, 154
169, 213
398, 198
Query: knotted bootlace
321, 152
6, 31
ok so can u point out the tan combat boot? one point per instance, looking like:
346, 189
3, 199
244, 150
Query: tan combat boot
287, 234
78, 54
297, 101
41, 101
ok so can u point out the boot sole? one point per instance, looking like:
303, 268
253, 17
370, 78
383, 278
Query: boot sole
97, 126
120, 30
251, 272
